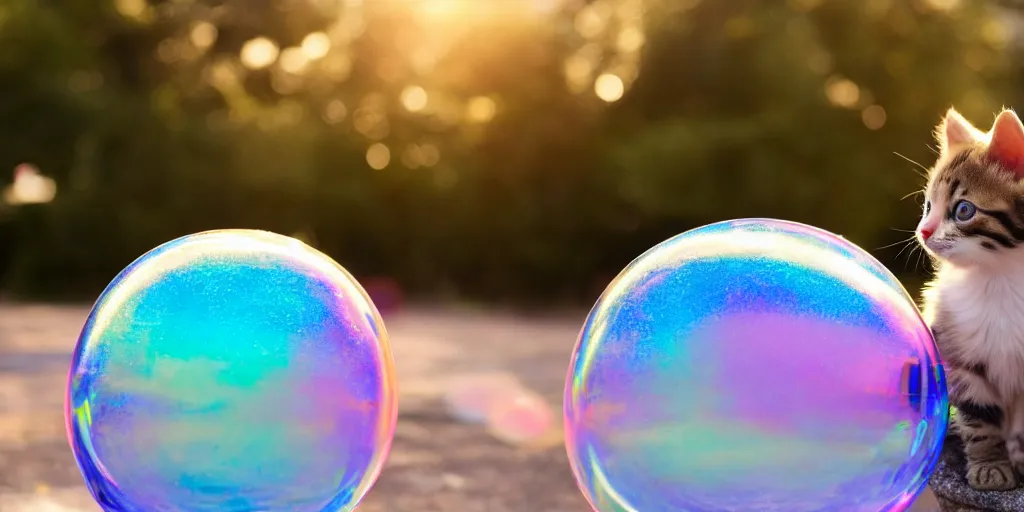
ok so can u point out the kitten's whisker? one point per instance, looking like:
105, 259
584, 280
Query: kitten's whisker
912, 194
917, 164
907, 243
906, 261
904, 230
911, 239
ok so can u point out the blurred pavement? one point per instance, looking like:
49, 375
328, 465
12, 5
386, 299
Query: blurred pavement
437, 464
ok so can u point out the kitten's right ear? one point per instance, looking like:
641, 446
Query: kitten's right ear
955, 131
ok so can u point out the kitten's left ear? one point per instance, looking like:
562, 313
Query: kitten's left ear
1006, 145
954, 132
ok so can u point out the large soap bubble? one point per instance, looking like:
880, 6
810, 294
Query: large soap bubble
228, 371
754, 365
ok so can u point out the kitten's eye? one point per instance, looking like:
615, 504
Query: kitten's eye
964, 211
927, 206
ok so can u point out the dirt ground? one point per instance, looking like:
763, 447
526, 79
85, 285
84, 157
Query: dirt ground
436, 464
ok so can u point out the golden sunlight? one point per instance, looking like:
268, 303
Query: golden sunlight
462, 12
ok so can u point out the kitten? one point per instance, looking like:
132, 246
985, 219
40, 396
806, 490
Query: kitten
973, 228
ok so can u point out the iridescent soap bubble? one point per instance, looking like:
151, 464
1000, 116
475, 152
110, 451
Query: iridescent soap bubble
230, 371
754, 365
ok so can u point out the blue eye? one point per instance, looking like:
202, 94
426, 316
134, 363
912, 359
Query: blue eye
927, 206
964, 211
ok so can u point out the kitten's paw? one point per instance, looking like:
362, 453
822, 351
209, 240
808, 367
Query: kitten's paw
991, 476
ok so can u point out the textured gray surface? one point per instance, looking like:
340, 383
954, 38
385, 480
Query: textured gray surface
949, 483
436, 464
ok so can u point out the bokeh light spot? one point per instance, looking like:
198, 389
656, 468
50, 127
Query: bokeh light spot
132, 9
335, 111
609, 87
430, 154
630, 39
481, 109
874, 117
414, 98
203, 35
842, 92
943, 5
378, 156
259, 53
591, 20
316, 45
30, 187
293, 60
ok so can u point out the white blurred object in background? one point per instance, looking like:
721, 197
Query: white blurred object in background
29, 187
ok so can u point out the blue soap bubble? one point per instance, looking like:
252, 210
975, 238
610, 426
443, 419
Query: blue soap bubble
232, 370
754, 365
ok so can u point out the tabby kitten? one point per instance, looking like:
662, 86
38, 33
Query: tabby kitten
973, 228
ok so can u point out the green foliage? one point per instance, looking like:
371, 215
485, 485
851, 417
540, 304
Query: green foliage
740, 108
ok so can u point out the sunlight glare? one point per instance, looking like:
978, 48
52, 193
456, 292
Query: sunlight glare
443, 9
609, 87
460, 13
259, 53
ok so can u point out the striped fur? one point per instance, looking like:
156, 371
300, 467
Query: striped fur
975, 302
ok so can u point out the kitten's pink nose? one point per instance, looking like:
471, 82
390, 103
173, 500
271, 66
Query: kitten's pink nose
926, 233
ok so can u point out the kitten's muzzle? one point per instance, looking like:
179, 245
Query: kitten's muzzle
937, 245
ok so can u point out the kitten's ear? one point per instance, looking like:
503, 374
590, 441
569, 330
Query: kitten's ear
1007, 143
955, 131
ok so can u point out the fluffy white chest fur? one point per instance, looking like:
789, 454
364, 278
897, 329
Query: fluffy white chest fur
984, 314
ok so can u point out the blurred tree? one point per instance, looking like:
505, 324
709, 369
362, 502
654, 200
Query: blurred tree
795, 109
495, 149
